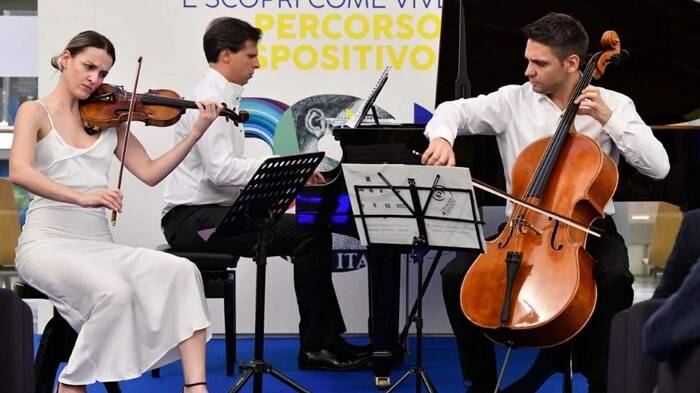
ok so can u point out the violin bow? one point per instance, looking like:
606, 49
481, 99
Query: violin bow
126, 134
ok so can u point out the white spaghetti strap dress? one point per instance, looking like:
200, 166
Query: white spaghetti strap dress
131, 306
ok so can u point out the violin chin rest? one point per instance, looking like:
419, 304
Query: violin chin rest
91, 130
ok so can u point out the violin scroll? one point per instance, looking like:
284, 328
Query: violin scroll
240, 117
243, 116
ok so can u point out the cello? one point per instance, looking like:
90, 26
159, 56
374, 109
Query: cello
533, 286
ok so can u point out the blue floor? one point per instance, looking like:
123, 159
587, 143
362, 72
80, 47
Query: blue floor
440, 363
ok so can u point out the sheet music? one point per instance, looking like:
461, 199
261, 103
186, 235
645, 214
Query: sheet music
445, 203
358, 117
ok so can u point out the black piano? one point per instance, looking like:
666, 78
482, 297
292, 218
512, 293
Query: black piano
481, 49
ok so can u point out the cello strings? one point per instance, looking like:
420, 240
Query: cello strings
536, 185
560, 136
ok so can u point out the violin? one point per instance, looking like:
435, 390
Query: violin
108, 106
534, 286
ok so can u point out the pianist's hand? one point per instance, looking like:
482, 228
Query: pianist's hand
316, 178
439, 153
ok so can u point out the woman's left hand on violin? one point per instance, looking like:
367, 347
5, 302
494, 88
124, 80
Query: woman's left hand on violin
208, 112
592, 104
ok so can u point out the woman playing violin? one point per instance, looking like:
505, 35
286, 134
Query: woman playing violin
518, 116
134, 308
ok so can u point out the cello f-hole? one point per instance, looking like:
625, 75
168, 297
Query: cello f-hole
510, 236
554, 235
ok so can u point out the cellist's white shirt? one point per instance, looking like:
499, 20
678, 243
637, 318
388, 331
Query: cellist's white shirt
518, 116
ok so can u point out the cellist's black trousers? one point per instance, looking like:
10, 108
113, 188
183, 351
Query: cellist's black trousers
590, 346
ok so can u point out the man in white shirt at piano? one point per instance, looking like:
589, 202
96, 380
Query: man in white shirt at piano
202, 188
517, 115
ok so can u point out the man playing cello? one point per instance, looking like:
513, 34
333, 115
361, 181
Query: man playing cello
517, 116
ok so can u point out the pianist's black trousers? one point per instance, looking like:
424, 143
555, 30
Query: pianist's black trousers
321, 322
590, 346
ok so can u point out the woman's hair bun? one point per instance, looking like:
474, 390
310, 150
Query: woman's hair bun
54, 62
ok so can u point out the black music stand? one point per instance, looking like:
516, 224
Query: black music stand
356, 121
420, 245
261, 203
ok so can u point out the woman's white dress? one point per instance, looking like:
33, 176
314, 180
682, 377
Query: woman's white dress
131, 306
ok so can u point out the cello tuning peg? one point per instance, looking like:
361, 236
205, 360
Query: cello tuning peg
621, 57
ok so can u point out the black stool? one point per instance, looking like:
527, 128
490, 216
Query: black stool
55, 347
219, 276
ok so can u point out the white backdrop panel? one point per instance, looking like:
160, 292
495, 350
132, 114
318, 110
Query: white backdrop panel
168, 34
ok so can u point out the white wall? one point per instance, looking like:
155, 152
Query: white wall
20, 59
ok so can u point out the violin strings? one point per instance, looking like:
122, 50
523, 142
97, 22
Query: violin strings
158, 100
167, 101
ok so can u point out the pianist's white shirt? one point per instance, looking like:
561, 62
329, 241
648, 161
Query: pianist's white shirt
215, 170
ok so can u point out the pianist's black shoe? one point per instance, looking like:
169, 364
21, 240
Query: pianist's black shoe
331, 359
358, 350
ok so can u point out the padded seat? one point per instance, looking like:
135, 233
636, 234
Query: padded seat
219, 276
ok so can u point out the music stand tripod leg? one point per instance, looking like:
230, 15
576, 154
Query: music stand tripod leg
258, 366
403, 377
245, 375
403, 337
428, 383
421, 376
287, 381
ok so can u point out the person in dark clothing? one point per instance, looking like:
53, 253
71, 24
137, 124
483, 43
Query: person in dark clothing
675, 327
685, 253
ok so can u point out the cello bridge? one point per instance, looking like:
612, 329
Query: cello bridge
523, 225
